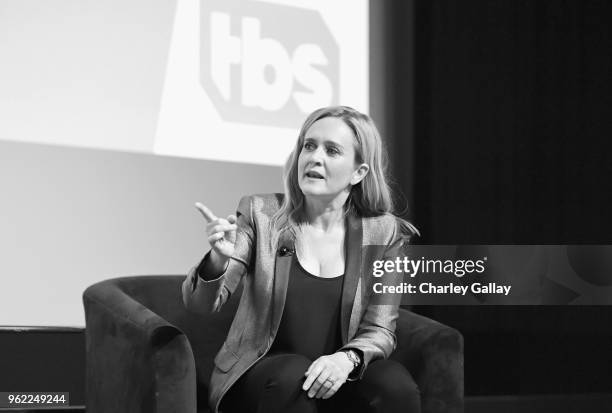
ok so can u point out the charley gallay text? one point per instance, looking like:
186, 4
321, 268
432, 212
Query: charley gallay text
448, 289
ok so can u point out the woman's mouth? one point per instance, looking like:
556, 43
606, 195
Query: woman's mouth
313, 175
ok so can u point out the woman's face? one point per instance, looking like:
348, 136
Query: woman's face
326, 164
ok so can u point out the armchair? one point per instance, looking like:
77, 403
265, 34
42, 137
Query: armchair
146, 353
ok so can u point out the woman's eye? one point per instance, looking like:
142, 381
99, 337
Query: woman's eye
333, 151
308, 146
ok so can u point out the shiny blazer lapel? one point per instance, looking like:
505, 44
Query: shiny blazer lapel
282, 267
353, 239
352, 273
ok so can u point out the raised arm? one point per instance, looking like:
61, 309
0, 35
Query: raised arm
210, 284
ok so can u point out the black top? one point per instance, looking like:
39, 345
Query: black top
310, 324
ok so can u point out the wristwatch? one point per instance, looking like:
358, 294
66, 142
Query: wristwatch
353, 357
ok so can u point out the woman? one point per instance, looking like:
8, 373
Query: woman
306, 337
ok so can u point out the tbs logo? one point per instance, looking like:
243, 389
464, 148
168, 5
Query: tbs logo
265, 63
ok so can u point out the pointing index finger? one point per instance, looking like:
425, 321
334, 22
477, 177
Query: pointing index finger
207, 213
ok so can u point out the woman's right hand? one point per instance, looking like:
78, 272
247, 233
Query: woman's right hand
221, 236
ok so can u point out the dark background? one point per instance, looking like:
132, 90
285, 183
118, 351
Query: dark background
511, 109
500, 130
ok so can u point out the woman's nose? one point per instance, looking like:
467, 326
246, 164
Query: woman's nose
317, 155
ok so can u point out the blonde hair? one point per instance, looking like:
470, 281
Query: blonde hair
369, 198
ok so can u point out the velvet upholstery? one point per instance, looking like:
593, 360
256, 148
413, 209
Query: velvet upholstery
147, 353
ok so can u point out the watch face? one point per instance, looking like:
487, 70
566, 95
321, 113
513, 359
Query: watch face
353, 357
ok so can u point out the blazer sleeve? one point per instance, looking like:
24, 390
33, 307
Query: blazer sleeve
206, 296
375, 337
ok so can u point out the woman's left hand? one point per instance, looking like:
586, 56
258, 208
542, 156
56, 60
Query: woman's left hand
326, 374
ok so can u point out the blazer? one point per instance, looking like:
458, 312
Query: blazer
365, 326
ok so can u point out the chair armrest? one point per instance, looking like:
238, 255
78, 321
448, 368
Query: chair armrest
136, 360
433, 354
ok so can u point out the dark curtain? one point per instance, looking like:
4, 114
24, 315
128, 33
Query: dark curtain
512, 109
501, 135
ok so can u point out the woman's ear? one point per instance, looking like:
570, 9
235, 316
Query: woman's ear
360, 173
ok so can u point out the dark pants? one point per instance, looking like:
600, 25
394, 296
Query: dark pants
274, 385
